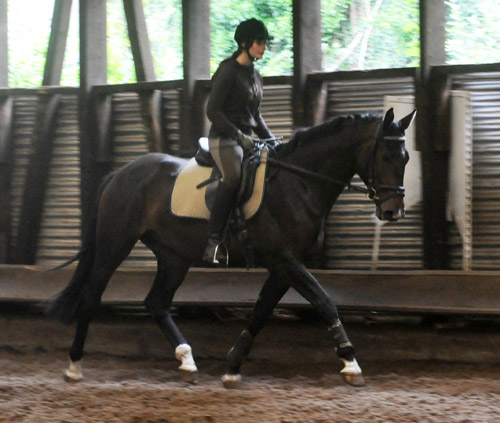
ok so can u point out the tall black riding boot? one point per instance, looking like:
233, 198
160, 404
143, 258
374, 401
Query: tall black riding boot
223, 204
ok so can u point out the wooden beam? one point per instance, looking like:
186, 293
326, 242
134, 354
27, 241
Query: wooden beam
139, 40
36, 179
6, 148
315, 101
471, 292
102, 112
93, 71
152, 116
57, 43
6, 123
434, 159
306, 51
4, 45
196, 65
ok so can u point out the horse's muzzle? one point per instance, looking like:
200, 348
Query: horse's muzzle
390, 215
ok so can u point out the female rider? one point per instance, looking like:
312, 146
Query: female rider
234, 111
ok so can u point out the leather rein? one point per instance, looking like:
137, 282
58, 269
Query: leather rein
372, 190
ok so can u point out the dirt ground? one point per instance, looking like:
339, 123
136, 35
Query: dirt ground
415, 371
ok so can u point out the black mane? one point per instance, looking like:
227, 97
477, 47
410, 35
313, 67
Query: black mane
325, 129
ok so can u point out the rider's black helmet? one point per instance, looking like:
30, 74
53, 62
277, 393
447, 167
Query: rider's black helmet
251, 29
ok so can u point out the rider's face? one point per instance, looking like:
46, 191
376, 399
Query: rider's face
257, 49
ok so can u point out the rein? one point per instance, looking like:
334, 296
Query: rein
371, 190
301, 171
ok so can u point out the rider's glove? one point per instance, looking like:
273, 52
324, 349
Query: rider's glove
245, 141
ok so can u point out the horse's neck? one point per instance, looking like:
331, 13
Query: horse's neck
330, 157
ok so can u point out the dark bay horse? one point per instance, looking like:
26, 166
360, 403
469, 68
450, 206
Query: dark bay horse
308, 174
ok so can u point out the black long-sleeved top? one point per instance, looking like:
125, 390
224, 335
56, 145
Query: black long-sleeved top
234, 101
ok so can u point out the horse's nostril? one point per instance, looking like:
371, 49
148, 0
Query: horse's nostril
388, 215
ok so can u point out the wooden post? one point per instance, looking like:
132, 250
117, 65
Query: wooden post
139, 41
93, 71
4, 46
306, 52
315, 101
6, 147
152, 116
151, 101
36, 180
57, 43
429, 140
196, 49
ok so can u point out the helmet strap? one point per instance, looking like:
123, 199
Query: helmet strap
247, 49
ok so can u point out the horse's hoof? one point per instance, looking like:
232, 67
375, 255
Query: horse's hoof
231, 381
74, 372
71, 377
189, 376
353, 379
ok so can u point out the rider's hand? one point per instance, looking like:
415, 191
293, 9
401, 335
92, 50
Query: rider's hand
245, 141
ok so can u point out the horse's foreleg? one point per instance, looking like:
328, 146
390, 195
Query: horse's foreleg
171, 272
273, 290
308, 286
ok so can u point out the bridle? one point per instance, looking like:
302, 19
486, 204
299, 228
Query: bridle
372, 189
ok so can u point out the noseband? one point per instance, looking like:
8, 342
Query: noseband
374, 189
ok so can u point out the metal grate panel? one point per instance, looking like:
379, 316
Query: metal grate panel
277, 109
60, 226
25, 108
485, 97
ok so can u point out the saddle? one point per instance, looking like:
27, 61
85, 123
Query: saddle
249, 167
194, 190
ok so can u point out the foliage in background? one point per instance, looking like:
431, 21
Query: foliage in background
370, 34
473, 31
356, 34
27, 53
277, 16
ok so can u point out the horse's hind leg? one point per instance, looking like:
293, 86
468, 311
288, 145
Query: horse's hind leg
273, 290
172, 270
307, 285
108, 257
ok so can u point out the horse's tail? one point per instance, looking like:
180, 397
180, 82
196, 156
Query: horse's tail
65, 306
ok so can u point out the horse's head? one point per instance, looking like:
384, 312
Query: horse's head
385, 171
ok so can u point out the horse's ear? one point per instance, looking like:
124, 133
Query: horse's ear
389, 118
407, 120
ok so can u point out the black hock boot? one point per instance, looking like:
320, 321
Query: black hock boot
237, 355
216, 251
343, 346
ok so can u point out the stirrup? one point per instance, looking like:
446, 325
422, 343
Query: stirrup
219, 254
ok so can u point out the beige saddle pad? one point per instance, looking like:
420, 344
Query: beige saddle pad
189, 201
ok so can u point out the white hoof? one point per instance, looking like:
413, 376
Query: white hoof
184, 355
74, 372
231, 381
352, 374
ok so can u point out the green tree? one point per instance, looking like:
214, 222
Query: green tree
370, 34
472, 31
277, 16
